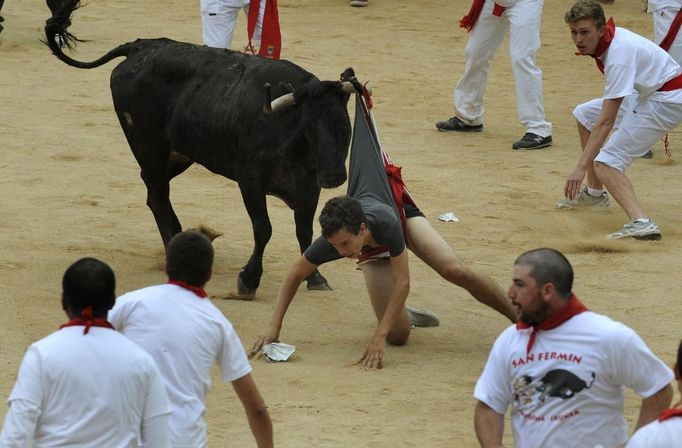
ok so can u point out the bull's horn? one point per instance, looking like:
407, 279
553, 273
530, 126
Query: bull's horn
282, 102
348, 88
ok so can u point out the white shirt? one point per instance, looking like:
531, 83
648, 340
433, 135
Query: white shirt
665, 434
94, 390
655, 5
568, 391
634, 64
185, 335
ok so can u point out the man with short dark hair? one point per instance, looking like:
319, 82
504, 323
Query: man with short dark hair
87, 385
666, 430
562, 368
185, 334
370, 226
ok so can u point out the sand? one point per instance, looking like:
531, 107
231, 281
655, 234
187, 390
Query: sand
71, 188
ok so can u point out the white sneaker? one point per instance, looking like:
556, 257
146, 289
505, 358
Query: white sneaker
584, 200
638, 230
358, 2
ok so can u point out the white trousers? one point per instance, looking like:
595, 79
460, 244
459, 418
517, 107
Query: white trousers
522, 21
662, 20
639, 124
218, 19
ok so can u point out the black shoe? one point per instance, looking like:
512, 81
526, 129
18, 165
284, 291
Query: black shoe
455, 124
648, 155
532, 141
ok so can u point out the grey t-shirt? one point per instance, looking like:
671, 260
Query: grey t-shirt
383, 224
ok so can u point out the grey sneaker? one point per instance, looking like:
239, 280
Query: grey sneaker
638, 230
533, 141
455, 124
584, 200
421, 318
358, 2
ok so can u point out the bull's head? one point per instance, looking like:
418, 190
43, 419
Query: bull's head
325, 125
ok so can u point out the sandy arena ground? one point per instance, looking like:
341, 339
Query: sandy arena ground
71, 188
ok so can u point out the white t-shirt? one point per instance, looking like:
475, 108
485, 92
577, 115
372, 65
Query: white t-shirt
665, 434
94, 390
635, 65
568, 391
185, 335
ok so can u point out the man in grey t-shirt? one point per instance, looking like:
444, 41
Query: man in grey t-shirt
366, 225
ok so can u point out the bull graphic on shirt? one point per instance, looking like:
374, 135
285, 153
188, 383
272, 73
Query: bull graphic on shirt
531, 393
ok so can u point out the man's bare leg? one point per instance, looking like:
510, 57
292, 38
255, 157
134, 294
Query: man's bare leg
379, 286
621, 189
427, 244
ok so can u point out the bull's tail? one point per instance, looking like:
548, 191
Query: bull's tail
58, 37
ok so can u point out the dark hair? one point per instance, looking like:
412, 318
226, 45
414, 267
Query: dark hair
189, 258
679, 358
89, 282
586, 10
549, 266
341, 212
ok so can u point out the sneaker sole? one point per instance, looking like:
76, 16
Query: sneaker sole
651, 237
460, 130
533, 147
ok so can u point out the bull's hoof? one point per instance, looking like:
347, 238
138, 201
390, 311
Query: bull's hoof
243, 289
317, 283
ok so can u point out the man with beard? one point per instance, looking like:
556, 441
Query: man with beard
562, 368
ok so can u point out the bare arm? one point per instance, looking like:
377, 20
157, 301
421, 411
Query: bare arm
301, 269
652, 406
400, 282
256, 411
598, 136
489, 426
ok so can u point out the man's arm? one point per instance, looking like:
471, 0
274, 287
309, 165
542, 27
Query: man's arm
301, 269
652, 406
489, 426
400, 282
598, 136
256, 411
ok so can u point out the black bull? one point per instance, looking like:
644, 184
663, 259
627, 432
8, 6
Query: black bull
180, 103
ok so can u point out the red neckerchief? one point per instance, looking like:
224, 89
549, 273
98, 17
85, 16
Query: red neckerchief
271, 37
603, 44
87, 321
195, 289
675, 411
572, 308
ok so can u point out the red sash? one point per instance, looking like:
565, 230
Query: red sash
673, 84
86, 320
672, 32
195, 289
271, 38
572, 308
468, 21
